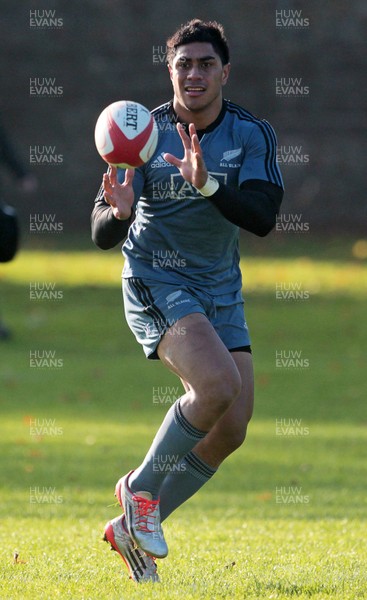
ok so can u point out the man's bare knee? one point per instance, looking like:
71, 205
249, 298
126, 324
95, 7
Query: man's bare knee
217, 392
222, 388
211, 377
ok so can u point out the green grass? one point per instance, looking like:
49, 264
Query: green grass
90, 267
285, 517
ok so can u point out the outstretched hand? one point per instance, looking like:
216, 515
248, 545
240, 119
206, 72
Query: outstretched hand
120, 196
191, 166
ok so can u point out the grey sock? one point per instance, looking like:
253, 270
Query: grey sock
175, 438
183, 482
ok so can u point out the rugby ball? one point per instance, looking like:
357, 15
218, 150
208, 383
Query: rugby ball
126, 134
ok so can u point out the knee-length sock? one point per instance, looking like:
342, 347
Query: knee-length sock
182, 483
173, 440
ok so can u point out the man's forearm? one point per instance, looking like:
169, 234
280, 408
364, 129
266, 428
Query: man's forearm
253, 207
107, 231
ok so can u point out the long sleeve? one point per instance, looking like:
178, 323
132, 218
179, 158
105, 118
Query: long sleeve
253, 207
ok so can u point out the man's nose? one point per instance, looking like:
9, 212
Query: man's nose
194, 72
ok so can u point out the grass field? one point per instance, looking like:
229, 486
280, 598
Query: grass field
285, 517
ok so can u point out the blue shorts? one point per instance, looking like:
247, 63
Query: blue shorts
152, 308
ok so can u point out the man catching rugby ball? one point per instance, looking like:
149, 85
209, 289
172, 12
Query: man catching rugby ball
218, 162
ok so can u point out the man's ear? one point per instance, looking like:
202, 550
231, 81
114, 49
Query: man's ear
225, 74
170, 71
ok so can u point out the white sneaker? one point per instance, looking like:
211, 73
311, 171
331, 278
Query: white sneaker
143, 520
141, 566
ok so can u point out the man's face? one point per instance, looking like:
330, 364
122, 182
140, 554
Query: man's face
198, 75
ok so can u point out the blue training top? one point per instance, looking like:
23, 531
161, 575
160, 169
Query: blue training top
179, 236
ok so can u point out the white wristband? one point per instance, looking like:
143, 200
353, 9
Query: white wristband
210, 187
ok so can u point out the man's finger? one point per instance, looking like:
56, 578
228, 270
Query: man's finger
129, 176
200, 164
196, 144
112, 174
106, 181
173, 160
192, 129
184, 137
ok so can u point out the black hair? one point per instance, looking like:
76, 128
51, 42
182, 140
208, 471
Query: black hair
199, 31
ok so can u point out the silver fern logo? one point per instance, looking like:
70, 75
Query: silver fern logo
231, 154
173, 296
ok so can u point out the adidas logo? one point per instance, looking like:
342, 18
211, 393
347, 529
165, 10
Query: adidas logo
159, 162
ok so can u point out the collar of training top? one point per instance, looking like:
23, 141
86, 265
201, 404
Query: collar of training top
200, 132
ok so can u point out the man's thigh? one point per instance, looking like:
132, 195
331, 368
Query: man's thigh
197, 354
